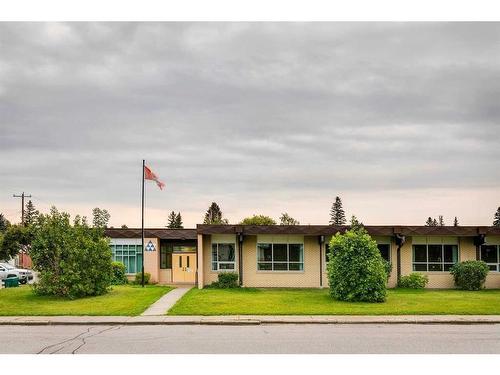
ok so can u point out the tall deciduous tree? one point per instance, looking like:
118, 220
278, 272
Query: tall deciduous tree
17, 238
214, 215
496, 218
337, 214
455, 222
286, 219
4, 223
258, 220
100, 218
30, 213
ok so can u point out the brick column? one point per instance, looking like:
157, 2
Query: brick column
200, 261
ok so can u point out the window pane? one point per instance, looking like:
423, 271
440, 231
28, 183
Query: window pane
296, 266
264, 252
226, 266
214, 266
131, 264
280, 267
435, 267
435, 253
384, 250
139, 262
280, 252
419, 253
489, 253
296, 252
420, 267
214, 252
182, 248
492, 267
450, 253
448, 266
226, 252
264, 266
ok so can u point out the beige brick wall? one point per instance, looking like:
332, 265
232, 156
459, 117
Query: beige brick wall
152, 259
308, 278
165, 276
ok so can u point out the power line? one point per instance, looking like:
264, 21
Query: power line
22, 196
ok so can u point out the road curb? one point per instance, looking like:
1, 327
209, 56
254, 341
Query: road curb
247, 320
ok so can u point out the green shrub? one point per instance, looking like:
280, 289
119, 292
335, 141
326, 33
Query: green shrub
138, 278
414, 280
470, 275
355, 269
387, 267
72, 261
226, 280
119, 276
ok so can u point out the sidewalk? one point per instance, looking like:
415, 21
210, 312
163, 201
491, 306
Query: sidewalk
164, 304
248, 320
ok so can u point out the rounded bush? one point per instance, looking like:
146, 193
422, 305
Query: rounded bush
470, 275
356, 270
119, 275
138, 278
414, 280
226, 280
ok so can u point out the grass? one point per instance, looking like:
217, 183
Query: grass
251, 301
128, 300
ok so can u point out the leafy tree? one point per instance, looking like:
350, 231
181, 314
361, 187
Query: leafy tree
337, 214
214, 215
431, 222
4, 223
171, 220
356, 270
124, 226
355, 223
455, 222
496, 219
17, 238
100, 218
30, 213
72, 260
178, 221
441, 221
258, 220
286, 219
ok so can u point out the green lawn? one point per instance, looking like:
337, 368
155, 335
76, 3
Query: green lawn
126, 300
250, 301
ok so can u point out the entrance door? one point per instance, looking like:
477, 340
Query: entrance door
184, 268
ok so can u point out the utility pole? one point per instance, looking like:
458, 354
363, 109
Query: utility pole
22, 196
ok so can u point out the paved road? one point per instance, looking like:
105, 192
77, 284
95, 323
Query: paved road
274, 339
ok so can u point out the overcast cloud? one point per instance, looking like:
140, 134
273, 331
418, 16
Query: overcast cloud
400, 119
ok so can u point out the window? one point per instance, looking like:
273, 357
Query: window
434, 257
223, 257
165, 256
491, 255
129, 255
385, 251
280, 257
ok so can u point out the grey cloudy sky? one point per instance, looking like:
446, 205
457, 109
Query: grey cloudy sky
402, 120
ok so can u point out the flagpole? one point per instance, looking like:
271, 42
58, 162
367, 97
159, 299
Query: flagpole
142, 223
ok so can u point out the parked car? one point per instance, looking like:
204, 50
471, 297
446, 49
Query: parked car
7, 270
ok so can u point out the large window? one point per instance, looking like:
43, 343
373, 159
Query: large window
223, 257
491, 255
129, 255
280, 257
436, 257
165, 256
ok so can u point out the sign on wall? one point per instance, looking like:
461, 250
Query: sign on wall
150, 246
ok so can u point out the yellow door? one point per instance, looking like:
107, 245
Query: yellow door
184, 268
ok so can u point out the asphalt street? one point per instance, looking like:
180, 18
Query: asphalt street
271, 339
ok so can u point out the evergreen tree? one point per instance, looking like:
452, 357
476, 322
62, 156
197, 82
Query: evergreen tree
30, 213
171, 220
124, 226
214, 215
431, 222
496, 219
286, 219
434, 223
178, 221
4, 223
455, 222
337, 214
441, 221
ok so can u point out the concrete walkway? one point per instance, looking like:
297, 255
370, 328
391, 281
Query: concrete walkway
161, 306
248, 319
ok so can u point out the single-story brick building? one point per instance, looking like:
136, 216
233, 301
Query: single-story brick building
295, 255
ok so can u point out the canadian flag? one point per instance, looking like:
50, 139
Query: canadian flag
149, 175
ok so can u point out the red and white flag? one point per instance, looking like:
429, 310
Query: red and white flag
149, 175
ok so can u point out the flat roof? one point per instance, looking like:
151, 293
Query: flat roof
162, 233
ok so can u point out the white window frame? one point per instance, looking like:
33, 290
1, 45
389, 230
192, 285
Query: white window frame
288, 262
427, 263
223, 261
497, 265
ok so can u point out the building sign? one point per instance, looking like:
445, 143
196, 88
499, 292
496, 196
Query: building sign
150, 246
